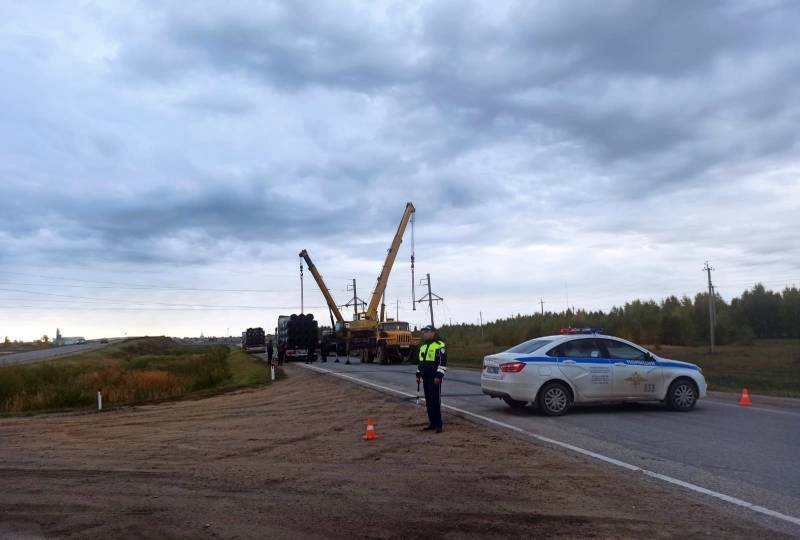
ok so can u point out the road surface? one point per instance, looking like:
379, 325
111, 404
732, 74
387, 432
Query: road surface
52, 353
751, 453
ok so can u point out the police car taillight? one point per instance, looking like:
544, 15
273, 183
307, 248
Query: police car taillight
512, 367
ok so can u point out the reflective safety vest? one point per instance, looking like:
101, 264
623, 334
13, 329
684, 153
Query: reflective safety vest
427, 352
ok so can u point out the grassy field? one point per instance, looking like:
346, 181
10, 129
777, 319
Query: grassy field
135, 371
770, 367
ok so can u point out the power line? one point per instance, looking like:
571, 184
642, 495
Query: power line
146, 288
114, 284
114, 301
160, 309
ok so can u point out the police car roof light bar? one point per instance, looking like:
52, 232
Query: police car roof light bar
592, 330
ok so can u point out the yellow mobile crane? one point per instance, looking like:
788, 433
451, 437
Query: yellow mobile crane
340, 326
376, 339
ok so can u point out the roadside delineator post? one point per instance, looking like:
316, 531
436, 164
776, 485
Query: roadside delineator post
745, 399
99, 401
272, 372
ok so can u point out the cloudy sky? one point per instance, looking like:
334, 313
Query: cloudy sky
161, 167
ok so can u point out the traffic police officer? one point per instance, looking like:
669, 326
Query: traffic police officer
430, 370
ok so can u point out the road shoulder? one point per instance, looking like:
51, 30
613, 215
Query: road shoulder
289, 461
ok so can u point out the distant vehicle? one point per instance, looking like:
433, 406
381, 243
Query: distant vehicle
254, 340
583, 366
69, 341
104, 340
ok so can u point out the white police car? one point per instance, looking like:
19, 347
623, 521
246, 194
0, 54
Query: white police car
584, 365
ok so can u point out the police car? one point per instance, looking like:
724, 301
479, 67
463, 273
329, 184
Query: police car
583, 365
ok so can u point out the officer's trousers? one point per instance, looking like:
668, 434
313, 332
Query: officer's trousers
433, 400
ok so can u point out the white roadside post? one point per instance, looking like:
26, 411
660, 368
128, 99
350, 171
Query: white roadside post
99, 401
272, 372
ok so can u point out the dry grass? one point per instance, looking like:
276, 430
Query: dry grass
142, 370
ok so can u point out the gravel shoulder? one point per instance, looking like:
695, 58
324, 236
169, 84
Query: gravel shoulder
287, 461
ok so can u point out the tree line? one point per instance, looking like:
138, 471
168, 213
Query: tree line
757, 313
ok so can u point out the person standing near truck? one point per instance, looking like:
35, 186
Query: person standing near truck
311, 352
430, 370
270, 352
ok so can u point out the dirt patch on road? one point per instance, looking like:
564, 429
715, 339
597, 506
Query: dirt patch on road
288, 462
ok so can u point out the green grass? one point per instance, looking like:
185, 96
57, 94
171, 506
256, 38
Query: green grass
770, 367
471, 355
245, 371
135, 371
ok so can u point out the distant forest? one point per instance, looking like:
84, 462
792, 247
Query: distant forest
757, 313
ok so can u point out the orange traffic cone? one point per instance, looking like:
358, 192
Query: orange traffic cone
745, 399
370, 434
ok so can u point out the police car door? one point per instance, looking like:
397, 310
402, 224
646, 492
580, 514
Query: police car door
635, 373
582, 362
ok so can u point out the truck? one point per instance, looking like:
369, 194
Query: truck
254, 340
296, 334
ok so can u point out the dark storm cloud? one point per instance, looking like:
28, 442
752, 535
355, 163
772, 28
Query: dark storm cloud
136, 229
290, 46
650, 98
612, 77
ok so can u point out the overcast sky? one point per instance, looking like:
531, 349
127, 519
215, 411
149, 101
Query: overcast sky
583, 153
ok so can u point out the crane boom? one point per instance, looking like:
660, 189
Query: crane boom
318, 278
383, 277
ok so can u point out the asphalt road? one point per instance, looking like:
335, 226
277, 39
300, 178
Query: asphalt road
751, 454
52, 353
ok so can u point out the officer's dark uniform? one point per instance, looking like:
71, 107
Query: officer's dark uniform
433, 365
269, 352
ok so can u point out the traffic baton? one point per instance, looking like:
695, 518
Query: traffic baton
417, 392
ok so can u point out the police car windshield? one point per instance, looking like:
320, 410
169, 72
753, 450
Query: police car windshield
529, 346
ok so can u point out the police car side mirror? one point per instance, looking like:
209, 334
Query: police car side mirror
648, 356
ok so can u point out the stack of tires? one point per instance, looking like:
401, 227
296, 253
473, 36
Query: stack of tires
254, 339
301, 331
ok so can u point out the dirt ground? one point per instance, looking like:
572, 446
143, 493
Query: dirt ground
288, 461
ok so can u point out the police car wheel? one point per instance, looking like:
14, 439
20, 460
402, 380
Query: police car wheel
514, 404
554, 399
682, 395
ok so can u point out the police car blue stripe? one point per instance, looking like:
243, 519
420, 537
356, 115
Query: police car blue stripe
605, 362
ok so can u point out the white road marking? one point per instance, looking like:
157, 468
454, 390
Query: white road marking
628, 466
711, 401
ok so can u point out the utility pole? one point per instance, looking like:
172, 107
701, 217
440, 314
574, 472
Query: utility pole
355, 301
541, 303
397, 309
430, 297
413, 280
301, 287
707, 269
480, 314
